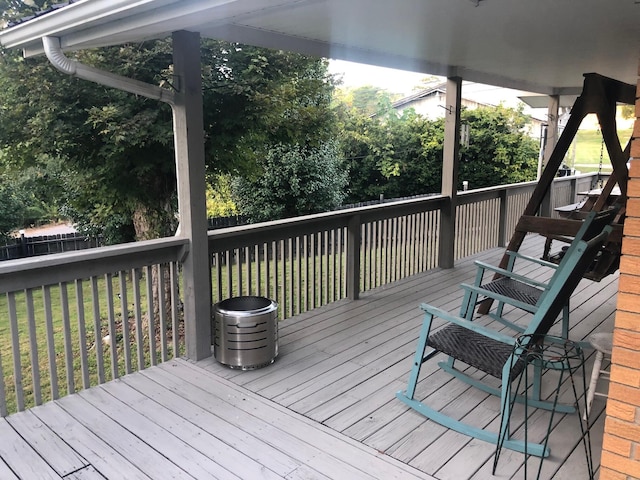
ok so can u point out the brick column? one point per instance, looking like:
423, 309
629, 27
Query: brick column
621, 445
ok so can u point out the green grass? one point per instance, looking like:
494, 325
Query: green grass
584, 153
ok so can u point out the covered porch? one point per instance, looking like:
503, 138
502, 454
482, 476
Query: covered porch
492, 41
324, 409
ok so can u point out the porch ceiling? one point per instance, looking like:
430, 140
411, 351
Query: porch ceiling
543, 46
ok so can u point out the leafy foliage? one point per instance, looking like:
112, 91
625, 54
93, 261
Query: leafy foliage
391, 155
219, 199
10, 209
295, 180
366, 100
401, 155
499, 151
118, 148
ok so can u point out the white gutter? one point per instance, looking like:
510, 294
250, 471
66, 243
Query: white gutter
74, 68
73, 17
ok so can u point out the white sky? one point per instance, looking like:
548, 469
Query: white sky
404, 82
358, 75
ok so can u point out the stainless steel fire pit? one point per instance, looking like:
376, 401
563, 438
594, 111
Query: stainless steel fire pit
245, 332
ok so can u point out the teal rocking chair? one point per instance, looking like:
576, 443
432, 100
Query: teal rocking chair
493, 352
509, 288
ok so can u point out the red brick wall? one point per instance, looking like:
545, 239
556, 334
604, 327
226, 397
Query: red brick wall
621, 446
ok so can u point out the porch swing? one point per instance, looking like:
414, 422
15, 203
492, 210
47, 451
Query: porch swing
600, 95
599, 196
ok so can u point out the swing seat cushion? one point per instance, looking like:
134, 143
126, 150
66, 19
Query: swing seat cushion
472, 348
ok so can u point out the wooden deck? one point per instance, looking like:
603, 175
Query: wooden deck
324, 409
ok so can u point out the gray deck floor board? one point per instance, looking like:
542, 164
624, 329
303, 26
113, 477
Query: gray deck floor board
324, 410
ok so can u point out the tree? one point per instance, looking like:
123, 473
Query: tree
401, 155
296, 180
499, 151
120, 145
366, 100
10, 209
392, 155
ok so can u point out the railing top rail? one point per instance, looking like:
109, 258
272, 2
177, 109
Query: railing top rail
238, 236
59, 267
480, 194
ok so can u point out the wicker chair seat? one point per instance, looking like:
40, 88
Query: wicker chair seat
514, 289
475, 349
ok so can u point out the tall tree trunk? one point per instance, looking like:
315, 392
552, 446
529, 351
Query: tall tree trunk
148, 225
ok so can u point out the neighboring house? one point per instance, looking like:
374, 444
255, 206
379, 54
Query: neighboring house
431, 102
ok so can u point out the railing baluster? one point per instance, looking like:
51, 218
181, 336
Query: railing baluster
51, 346
411, 258
229, 271
268, 255
307, 281
238, 255
3, 393
97, 327
15, 345
320, 273
283, 279
218, 269
342, 261
291, 264
258, 249
298, 257
247, 253
82, 334
33, 348
332, 253
113, 337
314, 264
137, 308
162, 312
175, 327
66, 329
151, 316
124, 309
326, 267
377, 244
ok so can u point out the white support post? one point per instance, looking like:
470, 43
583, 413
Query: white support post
450, 164
553, 115
190, 171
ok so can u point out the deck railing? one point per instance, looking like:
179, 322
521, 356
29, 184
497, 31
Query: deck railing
310, 261
73, 320
304, 263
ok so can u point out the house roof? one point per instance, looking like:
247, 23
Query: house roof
542, 46
427, 92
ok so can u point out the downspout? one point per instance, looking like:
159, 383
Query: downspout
74, 68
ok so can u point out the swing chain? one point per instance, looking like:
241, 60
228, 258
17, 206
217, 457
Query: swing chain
599, 181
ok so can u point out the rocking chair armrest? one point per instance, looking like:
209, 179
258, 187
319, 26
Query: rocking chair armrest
527, 307
473, 326
507, 273
539, 261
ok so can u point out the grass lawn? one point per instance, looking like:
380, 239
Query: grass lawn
584, 153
